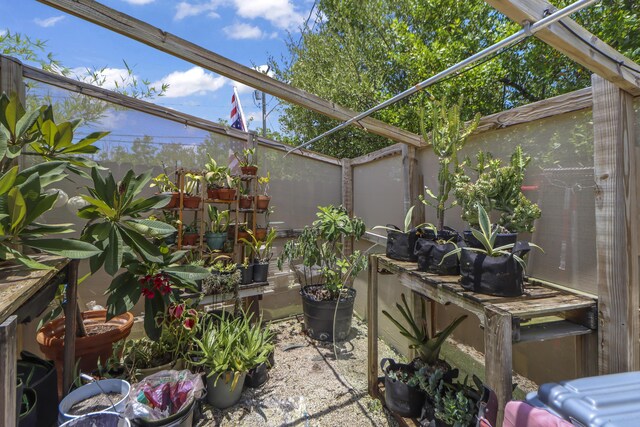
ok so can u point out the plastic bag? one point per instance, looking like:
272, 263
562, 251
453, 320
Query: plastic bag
163, 394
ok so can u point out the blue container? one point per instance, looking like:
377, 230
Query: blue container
603, 401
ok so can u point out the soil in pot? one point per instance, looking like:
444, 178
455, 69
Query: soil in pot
97, 345
96, 403
319, 313
262, 202
110, 419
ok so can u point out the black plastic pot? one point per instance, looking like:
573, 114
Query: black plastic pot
400, 245
257, 376
319, 315
260, 272
404, 400
502, 239
41, 376
28, 416
500, 276
246, 273
431, 254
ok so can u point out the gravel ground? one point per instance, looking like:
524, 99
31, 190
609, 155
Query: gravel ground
309, 387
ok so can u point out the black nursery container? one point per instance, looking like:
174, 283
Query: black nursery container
260, 272
404, 400
41, 376
319, 315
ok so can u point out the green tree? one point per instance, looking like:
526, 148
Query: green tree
360, 56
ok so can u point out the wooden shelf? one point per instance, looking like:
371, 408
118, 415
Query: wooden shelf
244, 291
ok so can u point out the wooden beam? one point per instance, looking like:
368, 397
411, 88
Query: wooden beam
11, 77
128, 26
391, 150
71, 315
616, 228
411, 184
8, 371
372, 326
115, 98
564, 41
498, 355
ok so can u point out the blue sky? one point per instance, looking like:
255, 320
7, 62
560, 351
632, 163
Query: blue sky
246, 31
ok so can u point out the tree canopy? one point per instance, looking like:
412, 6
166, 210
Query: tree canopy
359, 55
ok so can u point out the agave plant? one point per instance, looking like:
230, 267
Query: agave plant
407, 223
428, 348
487, 237
116, 227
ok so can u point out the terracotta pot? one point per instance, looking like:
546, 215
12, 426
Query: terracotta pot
261, 233
249, 170
213, 193
191, 202
242, 234
88, 349
262, 202
190, 239
173, 202
245, 202
227, 193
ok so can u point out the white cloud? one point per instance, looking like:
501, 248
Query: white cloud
242, 31
241, 88
48, 22
185, 9
138, 2
190, 82
281, 13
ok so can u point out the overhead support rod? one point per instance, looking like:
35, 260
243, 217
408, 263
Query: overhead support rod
527, 31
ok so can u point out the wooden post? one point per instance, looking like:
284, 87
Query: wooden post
372, 325
70, 326
616, 228
8, 369
347, 198
411, 184
11, 77
498, 355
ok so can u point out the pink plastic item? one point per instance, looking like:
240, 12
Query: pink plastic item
521, 414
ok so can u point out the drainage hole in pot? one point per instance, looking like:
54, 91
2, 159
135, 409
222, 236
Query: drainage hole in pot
96, 403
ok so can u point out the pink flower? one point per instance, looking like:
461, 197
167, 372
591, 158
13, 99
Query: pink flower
189, 323
176, 310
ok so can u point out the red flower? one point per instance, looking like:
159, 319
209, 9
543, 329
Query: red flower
148, 293
189, 323
165, 289
192, 312
157, 281
176, 310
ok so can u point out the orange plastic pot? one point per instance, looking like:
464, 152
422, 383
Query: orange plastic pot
245, 202
191, 202
213, 193
190, 239
261, 233
249, 170
227, 193
94, 346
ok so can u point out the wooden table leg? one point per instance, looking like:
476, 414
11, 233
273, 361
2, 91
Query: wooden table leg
70, 326
8, 372
372, 325
498, 356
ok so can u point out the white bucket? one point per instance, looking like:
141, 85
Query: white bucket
92, 389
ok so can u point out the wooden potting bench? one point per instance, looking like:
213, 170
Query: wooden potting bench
505, 320
20, 289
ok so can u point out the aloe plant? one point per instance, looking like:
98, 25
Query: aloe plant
428, 348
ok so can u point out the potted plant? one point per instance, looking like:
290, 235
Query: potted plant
228, 193
245, 199
167, 187
258, 346
214, 176
320, 247
219, 222
247, 162
261, 253
492, 269
497, 189
402, 386
191, 198
261, 232
221, 354
401, 243
262, 200
221, 282
449, 135
190, 234
246, 271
